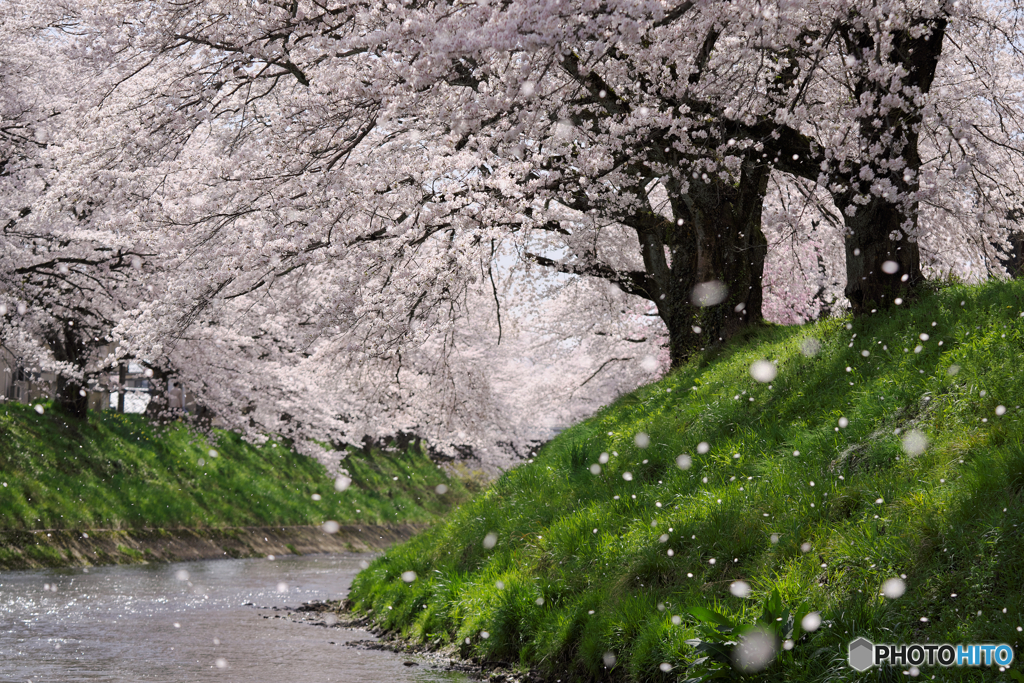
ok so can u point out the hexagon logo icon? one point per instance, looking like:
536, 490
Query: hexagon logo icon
862, 654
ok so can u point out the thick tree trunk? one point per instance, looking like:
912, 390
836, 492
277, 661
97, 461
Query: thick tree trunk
716, 242
882, 264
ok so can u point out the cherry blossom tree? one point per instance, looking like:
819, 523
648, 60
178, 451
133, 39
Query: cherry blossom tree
60, 285
325, 198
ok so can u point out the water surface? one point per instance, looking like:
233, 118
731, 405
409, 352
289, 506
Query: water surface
188, 621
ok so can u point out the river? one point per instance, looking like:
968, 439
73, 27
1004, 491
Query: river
190, 621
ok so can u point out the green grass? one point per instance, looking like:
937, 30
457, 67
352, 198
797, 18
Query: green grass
118, 471
589, 564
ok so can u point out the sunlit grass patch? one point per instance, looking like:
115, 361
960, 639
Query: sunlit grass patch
893, 451
118, 471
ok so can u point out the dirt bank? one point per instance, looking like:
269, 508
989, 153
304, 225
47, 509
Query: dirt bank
69, 548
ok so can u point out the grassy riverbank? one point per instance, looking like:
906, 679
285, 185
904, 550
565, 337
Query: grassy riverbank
813, 490
119, 472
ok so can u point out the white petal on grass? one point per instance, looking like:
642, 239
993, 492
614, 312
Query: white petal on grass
441, 489
844, 423
409, 576
213, 453
665, 666
331, 527
805, 547
628, 476
500, 585
740, 589
684, 462
1000, 410
953, 370
763, 371
890, 267
914, 442
608, 659
709, 293
603, 458
703, 447
811, 622
342, 483
490, 540
316, 496
755, 651
894, 588
40, 409
595, 469
539, 602
642, 440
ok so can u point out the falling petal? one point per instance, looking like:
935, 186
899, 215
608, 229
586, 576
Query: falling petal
740, 589
755, 651
763, 371
914, 442
811, 622
894, 588
709, 293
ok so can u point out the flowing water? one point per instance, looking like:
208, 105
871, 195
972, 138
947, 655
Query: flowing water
190, 621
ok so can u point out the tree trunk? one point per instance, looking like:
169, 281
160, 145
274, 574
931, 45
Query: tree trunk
67, 347
717, 241
157, 406
122, 377
1015, 264
878, 241
882, 264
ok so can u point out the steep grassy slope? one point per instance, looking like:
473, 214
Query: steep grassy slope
117, 471
806, 492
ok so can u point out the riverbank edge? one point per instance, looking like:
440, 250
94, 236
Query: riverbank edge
445, 656
33, 549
